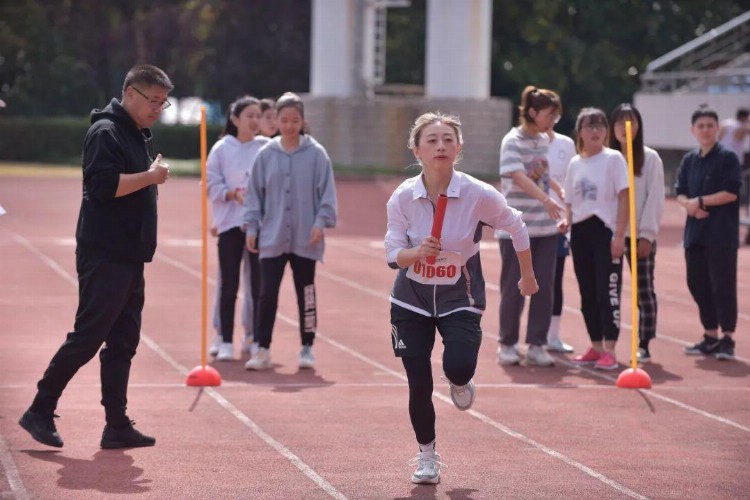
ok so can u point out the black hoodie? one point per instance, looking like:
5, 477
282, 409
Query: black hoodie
121, 228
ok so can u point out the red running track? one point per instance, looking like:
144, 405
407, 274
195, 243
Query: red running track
343, 430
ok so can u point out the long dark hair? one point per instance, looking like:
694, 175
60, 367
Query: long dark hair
625, 111
234, 110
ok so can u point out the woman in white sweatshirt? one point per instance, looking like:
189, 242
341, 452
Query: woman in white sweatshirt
649, 205
227, 173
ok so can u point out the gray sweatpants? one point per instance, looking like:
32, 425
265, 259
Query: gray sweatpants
544, 260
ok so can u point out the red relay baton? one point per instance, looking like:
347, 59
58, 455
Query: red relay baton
437, 222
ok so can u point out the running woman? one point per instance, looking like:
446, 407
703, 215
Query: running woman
448, 296
596, 194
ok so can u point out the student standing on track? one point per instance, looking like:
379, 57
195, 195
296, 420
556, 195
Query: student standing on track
708, 186
115, 236
559, 153
527, 186
227, 172
649, 205
291, 200
449, 296
596, 193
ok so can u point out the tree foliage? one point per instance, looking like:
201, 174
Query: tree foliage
64, 57
590, 51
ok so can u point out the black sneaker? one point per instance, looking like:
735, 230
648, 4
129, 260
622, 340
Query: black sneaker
708, 346
42, 428
124, 437
726, 349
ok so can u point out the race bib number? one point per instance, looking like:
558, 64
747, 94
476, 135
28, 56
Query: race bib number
445, 271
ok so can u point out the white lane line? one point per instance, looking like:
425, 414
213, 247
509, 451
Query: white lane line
17, 489
480, 416
348, 385
257, 430
684, 406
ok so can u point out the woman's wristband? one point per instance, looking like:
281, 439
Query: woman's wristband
700, 203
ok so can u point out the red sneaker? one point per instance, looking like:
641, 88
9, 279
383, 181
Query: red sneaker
589, 357
607, 361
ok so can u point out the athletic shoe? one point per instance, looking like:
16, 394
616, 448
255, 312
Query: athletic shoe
726, 349
306, 358
428, 468
261, 361
213, 350
590, 357
124, 437
557, 345
463, 395
538, 356
248, 344
42, 428
643, 355
508, 355
708, 346
226, 352
606, 361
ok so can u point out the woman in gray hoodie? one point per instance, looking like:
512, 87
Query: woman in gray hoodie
291, 199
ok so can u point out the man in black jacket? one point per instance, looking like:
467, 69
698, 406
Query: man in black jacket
115, 236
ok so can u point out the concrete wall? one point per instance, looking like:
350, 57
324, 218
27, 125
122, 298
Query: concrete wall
666, 117
360, 132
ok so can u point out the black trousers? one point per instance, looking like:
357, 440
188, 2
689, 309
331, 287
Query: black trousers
272, 272
231, 250
712, 281
110, 301
462, 336
599, 278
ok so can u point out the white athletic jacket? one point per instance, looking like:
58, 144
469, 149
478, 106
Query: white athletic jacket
455, 282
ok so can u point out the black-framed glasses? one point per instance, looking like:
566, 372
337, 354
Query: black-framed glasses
162, 105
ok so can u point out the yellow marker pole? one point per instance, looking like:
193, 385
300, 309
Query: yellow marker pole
202, 375
204, 231
633, 248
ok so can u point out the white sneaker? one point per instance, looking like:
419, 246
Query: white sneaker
538, 356
306, 358
226, 352
260, 361
557, 345
247, 344
428, 468
213, 350
463, 395
508, 355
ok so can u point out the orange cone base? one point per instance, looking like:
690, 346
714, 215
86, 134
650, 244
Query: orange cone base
634, 379
203, 376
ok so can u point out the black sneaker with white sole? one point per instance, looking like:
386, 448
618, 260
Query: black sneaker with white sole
726, 349
706, 347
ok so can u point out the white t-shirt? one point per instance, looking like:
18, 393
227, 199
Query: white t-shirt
592, 185
561, 150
